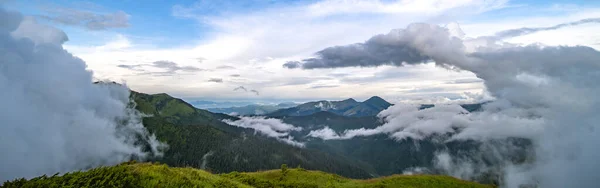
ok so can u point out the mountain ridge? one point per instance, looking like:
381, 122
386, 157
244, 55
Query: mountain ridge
192, 133
348, 107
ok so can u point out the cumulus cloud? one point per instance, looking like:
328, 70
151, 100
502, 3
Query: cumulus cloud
544, 94
54, 119
87, 19
411, 46
216, 80
29, 28
270, 127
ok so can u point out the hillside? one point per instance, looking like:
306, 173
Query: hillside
348, 107
155, 175
198, 138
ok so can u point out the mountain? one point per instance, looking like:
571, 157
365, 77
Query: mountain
387, 156
157, 175
198, 138
370, 107
203, 104
348, 107
253, 109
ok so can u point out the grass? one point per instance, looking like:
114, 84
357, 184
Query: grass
159, 175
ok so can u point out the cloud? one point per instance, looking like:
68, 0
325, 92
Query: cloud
465, 81
530, 30
84, 18
54, 118
324, 86
131, 67
29, 28
240, 88
544, 94
216, 80
270, 127
200, 59
292, 64
396, 48
173, 67
235, 75
169, 68
247, 38
292, 81
226, 67
325, 133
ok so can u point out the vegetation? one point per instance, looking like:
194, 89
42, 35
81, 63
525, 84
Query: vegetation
198, 138
160, 175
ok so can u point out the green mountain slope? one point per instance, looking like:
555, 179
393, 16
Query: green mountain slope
198, 138
154, 175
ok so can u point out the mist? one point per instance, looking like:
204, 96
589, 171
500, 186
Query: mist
544, 94
54, 119
271, 127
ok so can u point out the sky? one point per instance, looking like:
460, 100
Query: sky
210, 50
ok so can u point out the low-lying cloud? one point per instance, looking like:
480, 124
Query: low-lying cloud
545, 94
54, 119
270, 127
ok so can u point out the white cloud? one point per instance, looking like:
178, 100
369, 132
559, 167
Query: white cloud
54, 119
256, 44
545, 94
326, 134
270, 127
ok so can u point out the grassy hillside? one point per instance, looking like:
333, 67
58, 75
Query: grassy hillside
154, 175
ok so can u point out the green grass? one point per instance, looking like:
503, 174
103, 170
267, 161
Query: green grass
160, 175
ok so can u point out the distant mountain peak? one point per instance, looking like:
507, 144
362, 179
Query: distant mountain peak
376, 99
349, 100
347, 107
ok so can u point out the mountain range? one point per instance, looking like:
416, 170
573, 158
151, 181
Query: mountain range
252, 109
348, 107
201, 139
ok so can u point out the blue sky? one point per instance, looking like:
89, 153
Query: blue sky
216, 46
